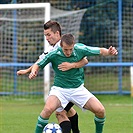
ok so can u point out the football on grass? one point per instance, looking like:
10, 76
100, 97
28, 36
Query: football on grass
52, 128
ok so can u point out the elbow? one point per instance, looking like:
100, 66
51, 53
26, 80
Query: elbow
86, 61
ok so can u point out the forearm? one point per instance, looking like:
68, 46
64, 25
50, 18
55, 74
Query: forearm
110, 51
80, 63
28, 70
34, 71
35, 68
67, 65
104, 51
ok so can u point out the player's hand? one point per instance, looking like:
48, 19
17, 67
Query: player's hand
65, 66
33, 74
22, 72
112, 51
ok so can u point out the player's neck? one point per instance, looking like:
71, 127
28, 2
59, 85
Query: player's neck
55, 43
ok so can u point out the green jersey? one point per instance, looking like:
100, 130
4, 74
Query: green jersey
72, 78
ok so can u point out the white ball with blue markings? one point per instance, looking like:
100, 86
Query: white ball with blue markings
52, 128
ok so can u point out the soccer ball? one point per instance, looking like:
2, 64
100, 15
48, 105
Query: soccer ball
52, 128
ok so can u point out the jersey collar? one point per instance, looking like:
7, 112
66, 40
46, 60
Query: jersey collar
57, 45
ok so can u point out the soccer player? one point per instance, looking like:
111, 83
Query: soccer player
69, 85
52, 32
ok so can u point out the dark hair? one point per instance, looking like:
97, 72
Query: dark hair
53, 25
68, 39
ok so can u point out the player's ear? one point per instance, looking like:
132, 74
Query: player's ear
58, 33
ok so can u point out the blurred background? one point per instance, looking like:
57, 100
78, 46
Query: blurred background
93, 22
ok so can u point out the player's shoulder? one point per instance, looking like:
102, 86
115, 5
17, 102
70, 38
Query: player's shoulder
54, 52
83, 46
79, 46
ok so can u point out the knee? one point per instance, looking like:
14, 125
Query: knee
46, 112
61, 116
101, 112
71, 112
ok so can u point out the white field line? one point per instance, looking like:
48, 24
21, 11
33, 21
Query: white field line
120, 104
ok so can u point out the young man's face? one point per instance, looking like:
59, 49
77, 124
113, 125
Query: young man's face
52, 37
67, 49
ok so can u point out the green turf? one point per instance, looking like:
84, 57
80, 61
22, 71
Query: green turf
20, 115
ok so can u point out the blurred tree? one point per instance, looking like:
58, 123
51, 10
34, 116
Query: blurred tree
5, 1
98, 23
81, 4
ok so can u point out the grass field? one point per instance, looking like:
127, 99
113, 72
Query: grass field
20, 115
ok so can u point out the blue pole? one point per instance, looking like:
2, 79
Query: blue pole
15, 46
120, 44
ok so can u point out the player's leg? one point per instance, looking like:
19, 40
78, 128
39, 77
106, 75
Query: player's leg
95, 106
73, 117
60, 113
82, 97
64, 122
46, 113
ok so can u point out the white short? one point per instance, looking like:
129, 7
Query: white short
79, 96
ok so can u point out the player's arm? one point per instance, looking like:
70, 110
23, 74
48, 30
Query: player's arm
25, 71
34, 71
28, 70
41, 63
80, 63
110, 51
67, 66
